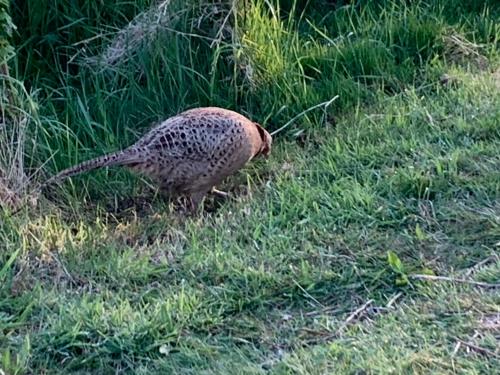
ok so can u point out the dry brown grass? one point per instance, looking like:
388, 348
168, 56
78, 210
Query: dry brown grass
17, 113
160, 19
459, 50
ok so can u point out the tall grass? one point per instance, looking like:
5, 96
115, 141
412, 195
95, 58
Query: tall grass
105, 72
17, 115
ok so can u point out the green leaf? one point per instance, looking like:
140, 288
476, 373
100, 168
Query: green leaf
419, 233
402, 280
427, 271
7, 265
395, 262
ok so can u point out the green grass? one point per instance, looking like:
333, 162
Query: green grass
106, 277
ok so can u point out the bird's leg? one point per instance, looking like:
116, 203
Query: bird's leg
165, 194
195, 199
220, 193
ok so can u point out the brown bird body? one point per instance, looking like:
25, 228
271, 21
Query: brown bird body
190, 153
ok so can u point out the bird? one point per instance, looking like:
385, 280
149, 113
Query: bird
188, 154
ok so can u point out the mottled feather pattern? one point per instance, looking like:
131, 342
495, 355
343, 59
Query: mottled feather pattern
189, 153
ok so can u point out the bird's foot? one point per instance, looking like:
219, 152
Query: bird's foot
220, 193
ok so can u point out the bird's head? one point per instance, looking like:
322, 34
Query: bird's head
266, 141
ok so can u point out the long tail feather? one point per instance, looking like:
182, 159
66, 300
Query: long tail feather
117, 158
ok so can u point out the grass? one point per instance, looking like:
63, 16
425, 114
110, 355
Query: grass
399, 176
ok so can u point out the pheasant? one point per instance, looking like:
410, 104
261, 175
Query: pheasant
188, 154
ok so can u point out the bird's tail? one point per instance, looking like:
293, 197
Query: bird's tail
117, 158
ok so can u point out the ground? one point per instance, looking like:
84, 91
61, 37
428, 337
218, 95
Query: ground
310, 266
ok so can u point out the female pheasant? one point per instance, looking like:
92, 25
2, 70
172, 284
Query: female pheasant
190, 153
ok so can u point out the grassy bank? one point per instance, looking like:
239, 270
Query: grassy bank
309, 267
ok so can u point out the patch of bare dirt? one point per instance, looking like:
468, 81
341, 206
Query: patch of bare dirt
460, 51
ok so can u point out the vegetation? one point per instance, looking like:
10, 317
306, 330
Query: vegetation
310, 267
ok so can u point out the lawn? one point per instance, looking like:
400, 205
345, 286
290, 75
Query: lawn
368, 243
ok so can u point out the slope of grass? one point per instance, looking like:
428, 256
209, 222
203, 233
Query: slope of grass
405, 163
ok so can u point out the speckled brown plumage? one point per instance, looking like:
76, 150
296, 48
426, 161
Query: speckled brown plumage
190, 153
